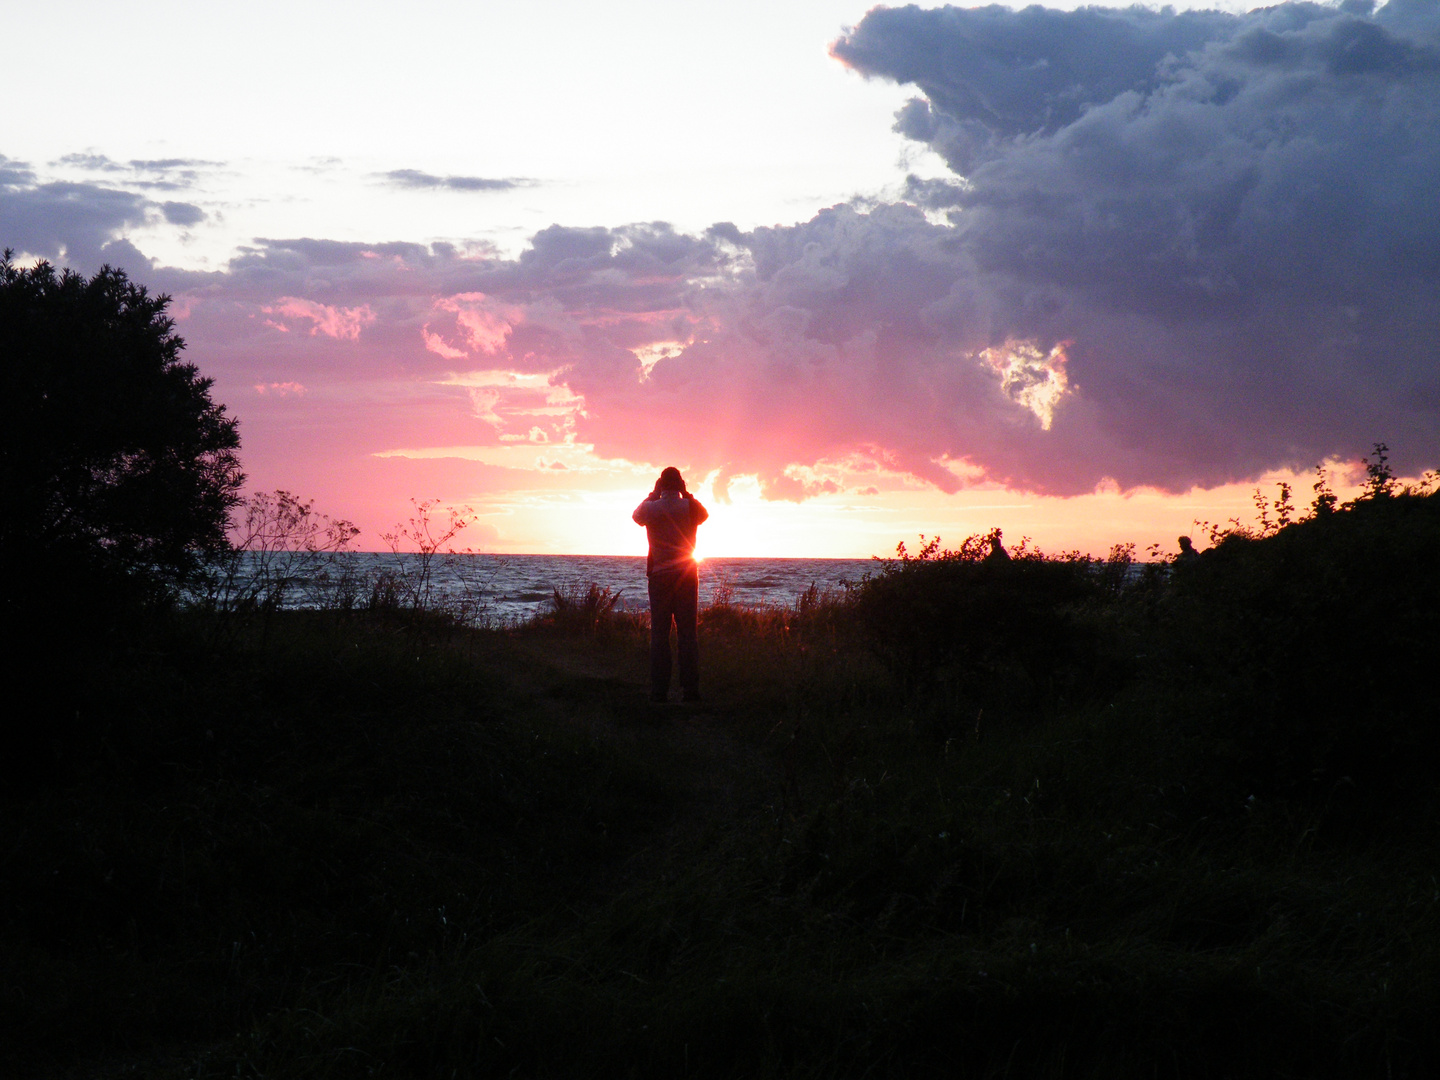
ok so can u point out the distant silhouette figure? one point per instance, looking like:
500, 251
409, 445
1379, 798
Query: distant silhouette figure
1188, 554
997, 552
671, 516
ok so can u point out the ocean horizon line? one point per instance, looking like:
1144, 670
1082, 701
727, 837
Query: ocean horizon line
640, 555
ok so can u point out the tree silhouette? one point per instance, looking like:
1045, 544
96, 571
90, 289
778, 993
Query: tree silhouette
115, 464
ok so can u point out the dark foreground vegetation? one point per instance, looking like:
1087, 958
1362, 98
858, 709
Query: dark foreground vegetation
1025, 818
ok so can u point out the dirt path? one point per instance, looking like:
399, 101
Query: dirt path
604, 688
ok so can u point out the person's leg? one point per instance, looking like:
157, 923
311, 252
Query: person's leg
687, 605
662, 610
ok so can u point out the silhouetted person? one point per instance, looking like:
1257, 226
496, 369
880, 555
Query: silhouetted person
671, 515
1188, 554
997, 552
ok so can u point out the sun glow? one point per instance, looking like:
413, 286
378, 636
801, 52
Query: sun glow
852, 524
748, 525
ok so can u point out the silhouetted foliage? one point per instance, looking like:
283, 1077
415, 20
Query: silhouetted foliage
589, 610
1379, 477
1303, 653
281, 548
115, 464
117, 477
991, 631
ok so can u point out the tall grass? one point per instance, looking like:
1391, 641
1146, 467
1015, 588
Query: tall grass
589, 609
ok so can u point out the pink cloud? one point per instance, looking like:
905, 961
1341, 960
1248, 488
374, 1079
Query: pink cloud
436, 344
280, 389
484, 400
481, 322
336, 322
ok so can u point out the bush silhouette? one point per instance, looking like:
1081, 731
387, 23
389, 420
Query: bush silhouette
1304, 653
114, 462
996, 632
117, 477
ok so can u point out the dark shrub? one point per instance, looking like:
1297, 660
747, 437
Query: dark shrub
114, 461
589, 609
1309, 654
117, 477
992, 632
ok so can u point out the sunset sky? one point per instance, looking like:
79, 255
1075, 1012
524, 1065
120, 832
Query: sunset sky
1083, 274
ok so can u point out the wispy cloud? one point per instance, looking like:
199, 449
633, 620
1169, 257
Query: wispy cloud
165, 174
415, 179
280, 389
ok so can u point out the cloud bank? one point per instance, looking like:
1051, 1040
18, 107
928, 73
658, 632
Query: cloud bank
1174, 250
81, 223
1233, 222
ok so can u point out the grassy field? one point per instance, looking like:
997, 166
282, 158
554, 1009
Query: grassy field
1047, 818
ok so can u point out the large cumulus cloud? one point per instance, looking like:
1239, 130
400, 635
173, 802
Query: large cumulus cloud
1233, 220
1177, 249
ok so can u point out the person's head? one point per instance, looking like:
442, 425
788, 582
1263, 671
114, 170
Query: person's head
1186, 545
670, 480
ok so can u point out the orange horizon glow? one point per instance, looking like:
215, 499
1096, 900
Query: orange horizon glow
575, 520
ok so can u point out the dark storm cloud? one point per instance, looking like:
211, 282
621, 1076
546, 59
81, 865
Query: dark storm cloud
1233, 219
1181, 249
998, 73
413, 178
1220, 256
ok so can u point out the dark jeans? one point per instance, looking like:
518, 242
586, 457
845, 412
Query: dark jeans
674, 595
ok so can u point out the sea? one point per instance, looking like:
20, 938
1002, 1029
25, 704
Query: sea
507, 589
